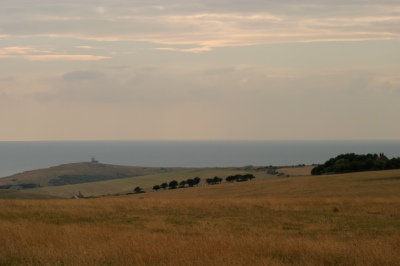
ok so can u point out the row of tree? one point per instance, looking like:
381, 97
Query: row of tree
215, 180
174, 184
230, 179
209, 181
239, 178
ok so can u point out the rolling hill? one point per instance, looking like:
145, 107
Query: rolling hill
16, 194
103, 179
87, 171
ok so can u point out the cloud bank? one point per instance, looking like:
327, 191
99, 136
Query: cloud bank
204, 24
226, 69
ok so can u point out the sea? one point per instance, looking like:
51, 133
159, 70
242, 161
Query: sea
20, 156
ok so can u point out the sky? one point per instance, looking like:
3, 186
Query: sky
199, 70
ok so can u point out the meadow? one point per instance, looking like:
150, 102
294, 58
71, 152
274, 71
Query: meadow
351, 219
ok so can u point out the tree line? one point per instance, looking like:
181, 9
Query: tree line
239, 178
191, 182
351, 162
209, 181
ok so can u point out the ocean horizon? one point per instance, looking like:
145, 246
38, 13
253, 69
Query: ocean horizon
20, 156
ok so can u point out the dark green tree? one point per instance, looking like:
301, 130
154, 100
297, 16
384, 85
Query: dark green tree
230, 179
156, 187
164, 185
351, 162
138, 190
217, 180
247, 177
197, 180
190, 182
173, 184
182, 184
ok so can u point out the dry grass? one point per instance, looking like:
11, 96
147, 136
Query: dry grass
133, 231
350, 220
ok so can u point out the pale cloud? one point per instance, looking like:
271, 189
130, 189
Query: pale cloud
234, 24
199, 69
20, 50
82, 75
101, 10
86, 47
223, 99
166, 87
389, 84
167, 49
85, 86
118, 68
6, 79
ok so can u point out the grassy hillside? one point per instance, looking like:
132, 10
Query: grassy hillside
125, 185
44, 176
12, 194
355, 185
68, 179
351, 219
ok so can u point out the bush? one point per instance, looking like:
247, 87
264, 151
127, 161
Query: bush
138, 190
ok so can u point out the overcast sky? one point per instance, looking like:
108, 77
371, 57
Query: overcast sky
199, 70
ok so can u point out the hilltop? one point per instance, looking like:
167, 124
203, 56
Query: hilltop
75, 173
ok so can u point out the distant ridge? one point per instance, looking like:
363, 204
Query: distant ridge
14, 194
76, 173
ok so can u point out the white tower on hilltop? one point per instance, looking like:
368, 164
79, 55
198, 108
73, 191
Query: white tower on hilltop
94, 161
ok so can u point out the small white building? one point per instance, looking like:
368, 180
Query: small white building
94, 161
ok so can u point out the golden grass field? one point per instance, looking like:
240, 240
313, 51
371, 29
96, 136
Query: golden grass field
351, 219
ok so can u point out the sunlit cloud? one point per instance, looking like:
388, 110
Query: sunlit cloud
20, 50
35, 54
86, 47
65, 57
189, 50
167, 49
